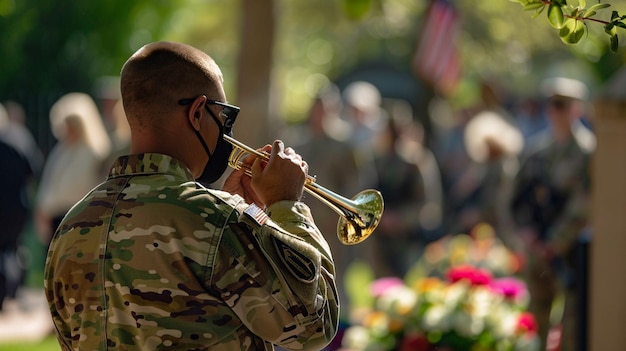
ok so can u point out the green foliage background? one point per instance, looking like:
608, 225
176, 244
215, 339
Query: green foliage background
50, 47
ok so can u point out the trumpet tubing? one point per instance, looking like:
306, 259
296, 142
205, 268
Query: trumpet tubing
359, 216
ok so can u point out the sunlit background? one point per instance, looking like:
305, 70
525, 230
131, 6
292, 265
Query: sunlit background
49, 48
281, 52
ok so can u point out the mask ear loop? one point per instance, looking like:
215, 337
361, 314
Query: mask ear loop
204, 145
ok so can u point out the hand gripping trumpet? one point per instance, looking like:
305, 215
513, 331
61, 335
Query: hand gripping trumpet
359, 216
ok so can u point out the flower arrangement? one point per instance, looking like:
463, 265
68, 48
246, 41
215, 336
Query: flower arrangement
458, 305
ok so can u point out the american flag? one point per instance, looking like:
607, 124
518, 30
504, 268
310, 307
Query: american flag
436, 59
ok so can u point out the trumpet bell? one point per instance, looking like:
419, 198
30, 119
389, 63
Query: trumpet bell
354, 227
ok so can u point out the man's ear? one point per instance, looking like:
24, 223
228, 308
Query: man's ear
197, 111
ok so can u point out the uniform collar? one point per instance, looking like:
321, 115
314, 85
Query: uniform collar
149, 163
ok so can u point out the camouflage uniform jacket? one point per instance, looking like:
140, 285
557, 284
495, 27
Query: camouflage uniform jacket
151, 260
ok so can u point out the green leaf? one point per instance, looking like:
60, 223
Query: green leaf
582, 3
597, 7
589, 14
538, 12
555, 16
614, 15
533, 6
610, 29
572, 31
614, 43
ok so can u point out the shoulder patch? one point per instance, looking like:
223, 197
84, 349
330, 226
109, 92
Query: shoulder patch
298, 264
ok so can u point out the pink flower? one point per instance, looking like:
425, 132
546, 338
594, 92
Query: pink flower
380, 286
475, 276
509, 287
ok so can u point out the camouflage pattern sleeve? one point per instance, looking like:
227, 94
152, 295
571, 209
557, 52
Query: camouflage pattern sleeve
152, 260
279, 277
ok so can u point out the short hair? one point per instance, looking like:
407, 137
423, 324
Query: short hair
160, 74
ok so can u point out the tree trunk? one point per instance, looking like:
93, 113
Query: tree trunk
254, 71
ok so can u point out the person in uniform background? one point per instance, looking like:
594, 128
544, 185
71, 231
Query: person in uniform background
550, 204
152, 260
20, 162
73, 167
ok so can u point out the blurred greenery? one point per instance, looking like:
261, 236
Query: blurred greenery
50, 48
48, 344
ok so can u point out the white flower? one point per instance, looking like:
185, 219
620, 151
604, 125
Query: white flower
437, 318
398, 301
456, 294
503, 322
481, 301
356, 338
467, 324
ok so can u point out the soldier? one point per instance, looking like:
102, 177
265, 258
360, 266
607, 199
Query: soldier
152, 260
550, 204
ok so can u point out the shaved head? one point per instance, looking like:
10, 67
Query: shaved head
160, 74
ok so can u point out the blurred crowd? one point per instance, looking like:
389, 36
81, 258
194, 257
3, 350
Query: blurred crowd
520, 166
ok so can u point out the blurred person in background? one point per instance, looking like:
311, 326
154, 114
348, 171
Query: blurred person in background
362, 109
409, 180
452, 158
20, 160
74, 164
477, 154
550, 207
17, 133
482, 194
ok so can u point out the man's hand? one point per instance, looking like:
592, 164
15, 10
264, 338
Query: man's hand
239, 183
280, 178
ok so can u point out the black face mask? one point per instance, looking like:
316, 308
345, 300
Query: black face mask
218, 161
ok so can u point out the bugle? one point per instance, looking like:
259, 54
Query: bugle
358, 217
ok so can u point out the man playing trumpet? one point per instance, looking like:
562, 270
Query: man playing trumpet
152, 260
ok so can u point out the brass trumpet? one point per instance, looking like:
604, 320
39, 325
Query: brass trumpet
359, 216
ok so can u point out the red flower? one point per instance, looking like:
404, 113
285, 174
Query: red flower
526, 324
475, 276
414, 342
